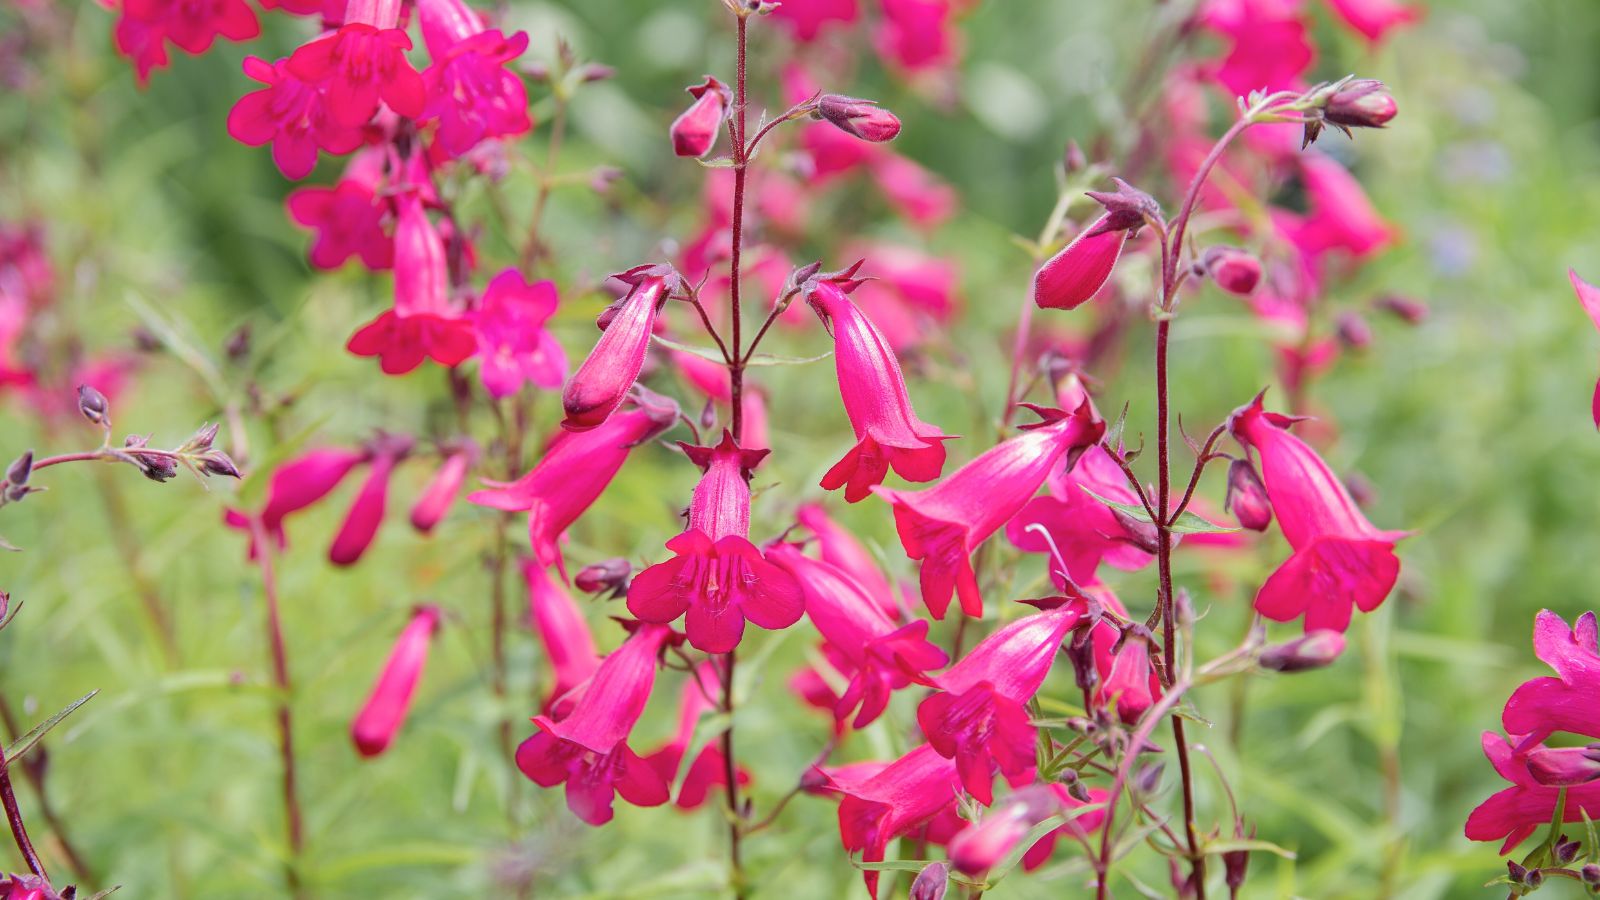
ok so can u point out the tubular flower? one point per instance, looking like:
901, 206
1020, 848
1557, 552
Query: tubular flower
1127, 679
442, 489
1589, 296
470, 92
348, 218
191, 25
574, 471
362, 64
564, 635
361, 523
708, 770
514, 348
588, 750
979, 718
596, 390
1081, 529
941, 525
695, 131
892, 801
1080, 269
717, 579
1078, 827
881, 656
1568, 702
1339, 558
980, 846
1526, 806
888, 432
839, 548
292, 116
423, 323
385, 711
295, 485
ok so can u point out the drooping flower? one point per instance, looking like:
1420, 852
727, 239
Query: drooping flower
291, 115
882, 806
1526, 806
839, 548
588, 750
888, 432
1078, 527
1340, 559
470, 92
695, 131
363, 64
1080, 269
882, 657
981, 845
565, 636
940, 526
717, 579
1341, 217
1128, 681
1569, 701
385, 711
1589, 296
979, 717
574, 471
348, 218
863, 119
192, 25
361, 523
295, 485
442, 489
708, 770
598, 387
514, 348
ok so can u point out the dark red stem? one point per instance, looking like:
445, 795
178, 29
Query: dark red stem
19, 832
293, 821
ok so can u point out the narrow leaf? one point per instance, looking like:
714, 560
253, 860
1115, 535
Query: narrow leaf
1229, 845
25, 743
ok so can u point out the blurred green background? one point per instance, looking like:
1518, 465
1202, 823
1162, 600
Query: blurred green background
1473, 429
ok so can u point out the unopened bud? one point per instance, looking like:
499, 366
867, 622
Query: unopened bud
1590, 874
201, 440
862, 118
155, 468
1312, 651
1363, 103
1148, 779
1247, 496
237, 346
1412, 312
94, 406
931, 882
1566, 850
1236, 863
605, 575
602, 177
591, 72
695, 131
1354, 332
1565, 766
1138, 532
216, 462
1073, 159
1234, 270
17, 473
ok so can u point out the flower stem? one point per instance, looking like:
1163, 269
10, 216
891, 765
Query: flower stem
293, 820
34, 770
19, 832
558, 128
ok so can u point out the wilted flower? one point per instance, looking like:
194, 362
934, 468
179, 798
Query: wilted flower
385, 710
695, 131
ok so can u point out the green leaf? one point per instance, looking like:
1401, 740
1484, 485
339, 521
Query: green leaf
1010, 860
1229, 845
890, 865
768, 359
25, 743
1188, 523
710, 353
7, 545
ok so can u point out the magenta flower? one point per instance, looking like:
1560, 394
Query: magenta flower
708, 770
361, 523
470, 92
1339, 558
806, 21
1526, 806
385, 710
574, 471
863, 119
1234, 270
1565, 766
442, 489
1077, 828
1373, 19
514, 348
295, 485
717, 579
346, 218
596, 390
290, 114
192, 26
893, 801
888, 432
1568, 702
914, 192
917, 35
565, 636
1078, 271
881, 656
588, 750
941, 525
1589, 296
1247, 496
1268, 45
695, 131
1127, 684
981, 846
1082, 530
980, 716
423, 324
1341, 216
837, 547
360, 65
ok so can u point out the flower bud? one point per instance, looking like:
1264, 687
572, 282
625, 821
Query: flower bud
1590, 875
1138, 532
1235, 863
1072, 159
442, 488
592, 72
1080, 650
695, 131
216, 462
1247, 496
1566, 850
1148, 779
931, 882
1565, 766
1234, 270
605, 575
861, 118
201, 440
155, 468
94, 406
237, 346
1410, 311
17, 473
1354, 332
1363, 103
1312, 651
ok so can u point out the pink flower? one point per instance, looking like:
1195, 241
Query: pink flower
1079, 828
565, 636
941, 525
1234, 270
1589, 296
708, 770
839, 548
588, 750
1341, 217
360, 65
595, 391
695, 131
423, 323
1565, 766
1339, 558
862, 119
361, 523
1568, 702
1082, 530
290, 114
1269, 48
1080, 269
981, 845
913, 191
1247, 496
1127, 680
574, 471
346, 218
1373, 19
295, 485
470, 92
881, 657
806, 19
917, 34
717, 579
1518, 811
442, 489
891, 802
980, 717
385, 711
514, 348
887, 430
190, 24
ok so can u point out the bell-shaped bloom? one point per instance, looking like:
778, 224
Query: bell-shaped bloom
192, 27
695, 131
385, 711
361, 522
1373, 19
295, 485
565, 636
572, 474
717, 579
443, 487
1341, 216
893, 801
941, 525
1079, 529
881, 656
708, 771
888, 432
1340, 559
980, 718
588, 750
291, 115
514, 348
1589, 296
1080, 269
1516, 812
423, 324
598, 387
347, 219
362, 64
470, 92
1569, 701
838, 547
